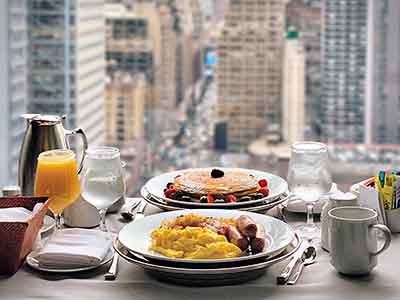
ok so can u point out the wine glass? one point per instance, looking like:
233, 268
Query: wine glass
309, 179
102, 181
57, 179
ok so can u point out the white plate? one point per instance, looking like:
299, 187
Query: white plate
136, 235
32, 261
276, 185
48, 224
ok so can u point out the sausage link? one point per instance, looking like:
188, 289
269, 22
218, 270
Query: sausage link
247, 226
258, 243
235, 237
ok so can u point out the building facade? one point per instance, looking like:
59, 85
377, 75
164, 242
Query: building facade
305, 17
66, 46
383, 73
249, 71
293, 89
126, 96
344, 48
13, 85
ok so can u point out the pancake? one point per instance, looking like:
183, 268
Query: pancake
198, 183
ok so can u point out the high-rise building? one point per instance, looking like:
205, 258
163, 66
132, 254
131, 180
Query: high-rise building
305, 17
126, 96
249, 70
66, 46
293, 89
344, 47
383, 73
141, 39
13, 85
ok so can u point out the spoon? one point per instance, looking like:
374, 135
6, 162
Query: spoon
309, 257
128, 210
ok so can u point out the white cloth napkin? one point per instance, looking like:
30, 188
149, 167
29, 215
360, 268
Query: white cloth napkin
74, 248
17, 214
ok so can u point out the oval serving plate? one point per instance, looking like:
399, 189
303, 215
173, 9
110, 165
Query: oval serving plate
136, 235
276, 185
206, 276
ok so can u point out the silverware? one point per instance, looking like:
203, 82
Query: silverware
309, 256
128, 210
140, 211
283, 277
113, 270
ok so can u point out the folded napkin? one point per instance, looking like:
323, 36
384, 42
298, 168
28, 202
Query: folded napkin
74, 248
17, 214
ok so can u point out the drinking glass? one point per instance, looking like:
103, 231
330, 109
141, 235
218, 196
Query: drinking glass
57, 179
309, 179
102, 181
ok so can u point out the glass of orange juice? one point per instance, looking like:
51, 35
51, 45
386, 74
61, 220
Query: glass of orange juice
57, 179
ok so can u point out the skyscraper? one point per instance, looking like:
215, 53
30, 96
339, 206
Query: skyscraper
249, 70
126, 95
383, 73
344, 47
13, 85
293, 89
66, 46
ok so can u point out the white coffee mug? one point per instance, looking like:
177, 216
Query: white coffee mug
353, 239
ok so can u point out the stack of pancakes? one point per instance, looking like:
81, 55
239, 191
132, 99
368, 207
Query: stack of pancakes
198, 183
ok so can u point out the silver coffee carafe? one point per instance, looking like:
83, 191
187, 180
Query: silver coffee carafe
43, 133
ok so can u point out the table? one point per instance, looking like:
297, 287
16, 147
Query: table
319, 281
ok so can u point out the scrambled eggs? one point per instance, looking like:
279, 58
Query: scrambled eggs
192, 243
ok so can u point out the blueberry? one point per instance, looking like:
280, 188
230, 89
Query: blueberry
219, 201
186, 199
169, 185
216, 173
165, 190
244, 199
203, 199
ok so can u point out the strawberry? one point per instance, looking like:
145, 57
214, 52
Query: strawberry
231, 198
210, 198
169, 192
264, 191
263, 183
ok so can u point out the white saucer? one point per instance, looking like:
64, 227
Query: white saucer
34, 263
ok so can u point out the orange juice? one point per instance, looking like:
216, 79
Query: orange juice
57, 178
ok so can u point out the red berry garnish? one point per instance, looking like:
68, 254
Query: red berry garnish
169, 192
263, 183
264, 191
210, 198
231, 198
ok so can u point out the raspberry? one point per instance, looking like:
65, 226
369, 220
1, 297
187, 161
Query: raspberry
210, 199
264, 191
169, 192
231, 198
263, 183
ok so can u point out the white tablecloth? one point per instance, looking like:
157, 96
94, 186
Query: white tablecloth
319, 281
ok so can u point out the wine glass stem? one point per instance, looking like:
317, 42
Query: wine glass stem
310, 214
57, 217
103, 226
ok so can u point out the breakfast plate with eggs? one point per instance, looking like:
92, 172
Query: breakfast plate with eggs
206, 236
216, 187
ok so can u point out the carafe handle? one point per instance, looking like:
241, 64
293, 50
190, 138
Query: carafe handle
81, 133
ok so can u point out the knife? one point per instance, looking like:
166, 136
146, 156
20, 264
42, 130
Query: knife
140, 211
288, 270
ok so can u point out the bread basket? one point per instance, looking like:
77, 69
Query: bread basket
16, 238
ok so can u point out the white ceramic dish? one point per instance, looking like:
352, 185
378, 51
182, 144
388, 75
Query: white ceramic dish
260, 207
276, 185
136, 235
32, 261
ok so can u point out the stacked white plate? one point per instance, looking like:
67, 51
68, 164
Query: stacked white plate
153, 192
134, 240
